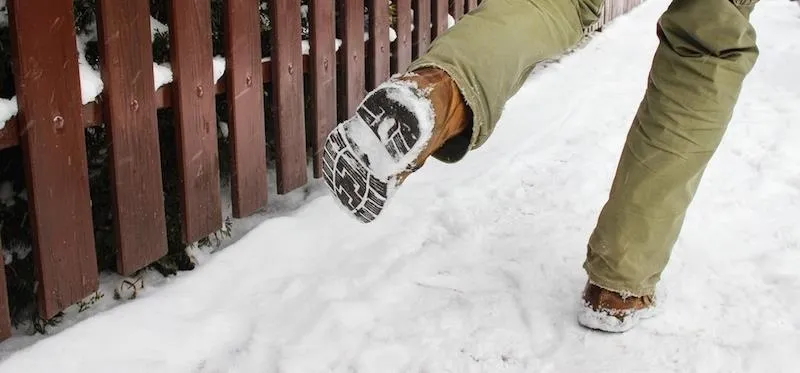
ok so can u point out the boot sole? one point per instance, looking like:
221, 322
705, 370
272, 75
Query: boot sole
363, 154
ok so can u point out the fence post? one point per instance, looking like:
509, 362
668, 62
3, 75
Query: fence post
287, 83
195, 117
352, 56
245, 93
458, 9
471, 5
129, 106
422, 27
54, 151
440, 9
323, 75
378, 60
402, 46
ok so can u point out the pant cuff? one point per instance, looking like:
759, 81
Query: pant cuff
458, 149
619, 287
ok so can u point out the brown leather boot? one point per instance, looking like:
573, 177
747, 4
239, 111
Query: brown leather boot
452, 115
394, 130
610, 311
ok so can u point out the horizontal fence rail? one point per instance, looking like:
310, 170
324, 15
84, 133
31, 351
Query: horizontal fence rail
334, 72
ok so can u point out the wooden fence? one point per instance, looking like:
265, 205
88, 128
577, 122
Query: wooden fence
51, 119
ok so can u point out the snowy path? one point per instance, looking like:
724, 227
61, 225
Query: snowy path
476, 267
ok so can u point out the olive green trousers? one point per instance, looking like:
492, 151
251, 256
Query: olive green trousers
706, 49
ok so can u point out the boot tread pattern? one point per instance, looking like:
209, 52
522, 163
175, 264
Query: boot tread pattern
346, 169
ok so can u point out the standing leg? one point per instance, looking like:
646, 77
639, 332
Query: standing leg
707, 47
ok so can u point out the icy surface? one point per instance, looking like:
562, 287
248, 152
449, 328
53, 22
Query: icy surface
476, 267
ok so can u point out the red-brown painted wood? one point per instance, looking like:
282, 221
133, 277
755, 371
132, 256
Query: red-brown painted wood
402, 45
195, 117
129, 105
52, 138
288, 105
440, 9
323, 76
245, 107
352, 57
458, 9
422, 27
471, 5
378, 46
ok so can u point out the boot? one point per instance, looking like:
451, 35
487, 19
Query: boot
610, 311
394, 130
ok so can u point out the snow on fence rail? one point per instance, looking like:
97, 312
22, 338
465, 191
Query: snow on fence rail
51, 118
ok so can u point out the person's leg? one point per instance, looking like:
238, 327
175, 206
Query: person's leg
449, 100
707, 47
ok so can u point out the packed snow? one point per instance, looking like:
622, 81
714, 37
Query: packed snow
476, 267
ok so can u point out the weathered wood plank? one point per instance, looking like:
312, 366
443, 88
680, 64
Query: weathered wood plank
323, 75
422, 27
288, 106
378, 51
471, 5
245, 107
440, 9
129, 106
352, 57
52, 138
195, 118
402, 45
458, 9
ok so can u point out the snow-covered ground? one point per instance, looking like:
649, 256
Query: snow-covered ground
476, 267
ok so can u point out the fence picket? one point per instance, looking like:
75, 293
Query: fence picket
245, 93
323, 75
378, 58
458, 9
439, 13
52, 138
129, 104
195, 117
402, 45
287, 106
471, 5
422, 27
352, 56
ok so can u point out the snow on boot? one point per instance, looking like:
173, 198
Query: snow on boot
610, 311
395, 128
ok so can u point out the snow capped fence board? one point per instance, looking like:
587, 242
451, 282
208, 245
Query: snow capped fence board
130, 112
287, 108
352, 56
378, 53
51, 134
245, 107
195, 114
401, 49
422, 29
322, 80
